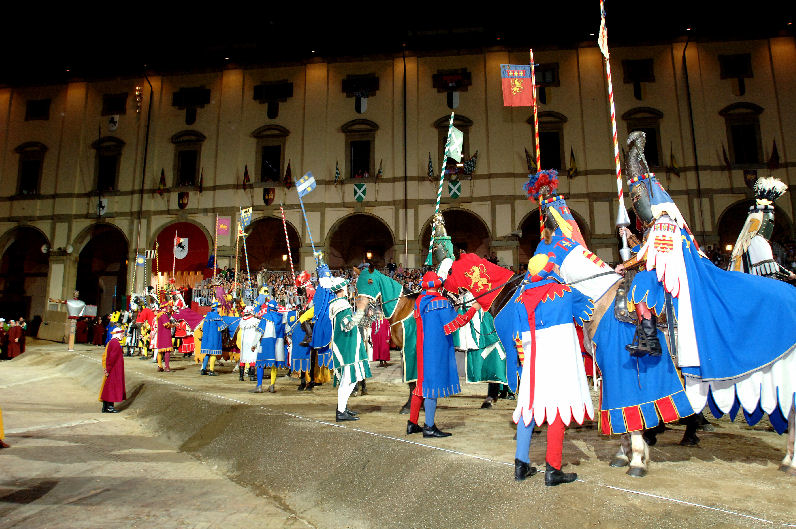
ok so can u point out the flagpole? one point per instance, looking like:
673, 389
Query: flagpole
246, 257
287, 242
537, 151
174, 257
441, 181
237, 242
307, 224
215, 250
622, 218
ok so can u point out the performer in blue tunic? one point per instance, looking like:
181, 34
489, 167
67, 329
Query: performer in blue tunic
212, 327
553, 386
437, 374
272, 344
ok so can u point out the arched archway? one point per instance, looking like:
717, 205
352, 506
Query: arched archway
353, 237
530, 235
467, 232
265, 244
190, 260
733, 218
102, 268
23, 273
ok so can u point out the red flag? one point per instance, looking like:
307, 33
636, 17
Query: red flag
517, 88
162, 182
477, 275
288, 176
246, 180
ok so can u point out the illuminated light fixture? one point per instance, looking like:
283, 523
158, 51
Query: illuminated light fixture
369, 255
728, 247
284, 257
591, 34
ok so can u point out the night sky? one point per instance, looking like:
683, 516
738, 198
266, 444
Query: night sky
39, 44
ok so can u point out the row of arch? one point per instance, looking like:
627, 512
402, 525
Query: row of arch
102, 260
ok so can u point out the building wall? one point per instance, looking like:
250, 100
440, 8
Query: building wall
406, 135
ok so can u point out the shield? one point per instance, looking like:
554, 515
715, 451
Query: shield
269, 193
181, 249
359, 192
182, 199
455, 189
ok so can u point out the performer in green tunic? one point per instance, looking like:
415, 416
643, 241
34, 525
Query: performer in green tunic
348, 349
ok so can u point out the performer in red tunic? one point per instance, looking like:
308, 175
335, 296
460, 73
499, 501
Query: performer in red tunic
14, 339
381, 341
113, 389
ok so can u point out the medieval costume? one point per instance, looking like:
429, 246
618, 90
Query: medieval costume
752, 252
213, 326
348, 350
380, 337
299, 350
728, 360
14, 340
272, 344
3, 444
113, 388
437, 374
248, 340
553, 386
163, 343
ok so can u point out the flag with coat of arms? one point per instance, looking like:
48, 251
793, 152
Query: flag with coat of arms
360, 190
305, 184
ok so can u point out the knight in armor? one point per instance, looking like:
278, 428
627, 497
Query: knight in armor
752, 252
725, 361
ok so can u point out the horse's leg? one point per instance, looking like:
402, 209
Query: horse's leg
689, 436
407, 405
789, 463
640, 455
622, 456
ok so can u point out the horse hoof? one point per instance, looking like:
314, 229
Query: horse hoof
637, 472
619, 462
707, 427
404, 410
690, 441
486, 404
790, 470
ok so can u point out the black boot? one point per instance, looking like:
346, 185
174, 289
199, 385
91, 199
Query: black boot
523, 470
252, 374
364, 390
433, 431
344, 416
204, 371
646, 340
554, 476
307, 326
107, 407
303, 384
413, 427
240, 373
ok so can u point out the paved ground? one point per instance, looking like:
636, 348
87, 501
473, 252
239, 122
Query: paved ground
192, 451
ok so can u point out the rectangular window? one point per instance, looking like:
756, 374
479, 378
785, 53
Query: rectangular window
735, 66
638, 71
29, 172
107, 168
547, 74
360, 158
270, 167
37, 109
114, 104
745, 143
550, 149
187, 165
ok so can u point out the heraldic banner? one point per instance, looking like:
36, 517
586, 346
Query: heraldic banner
517, 88
479, 276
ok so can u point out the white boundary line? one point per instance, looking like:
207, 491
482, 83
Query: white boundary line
447, 450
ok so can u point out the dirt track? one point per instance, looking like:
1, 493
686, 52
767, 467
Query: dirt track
287, 448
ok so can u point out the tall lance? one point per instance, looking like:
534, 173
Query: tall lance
215, 251
287, 243
537, 151
622, 219
307, 224
245, 256
439, 188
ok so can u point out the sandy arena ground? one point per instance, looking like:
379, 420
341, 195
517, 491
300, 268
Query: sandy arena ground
194, 451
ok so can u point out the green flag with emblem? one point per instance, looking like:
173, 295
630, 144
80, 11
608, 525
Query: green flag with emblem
359, 192
453, 149
454, 188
